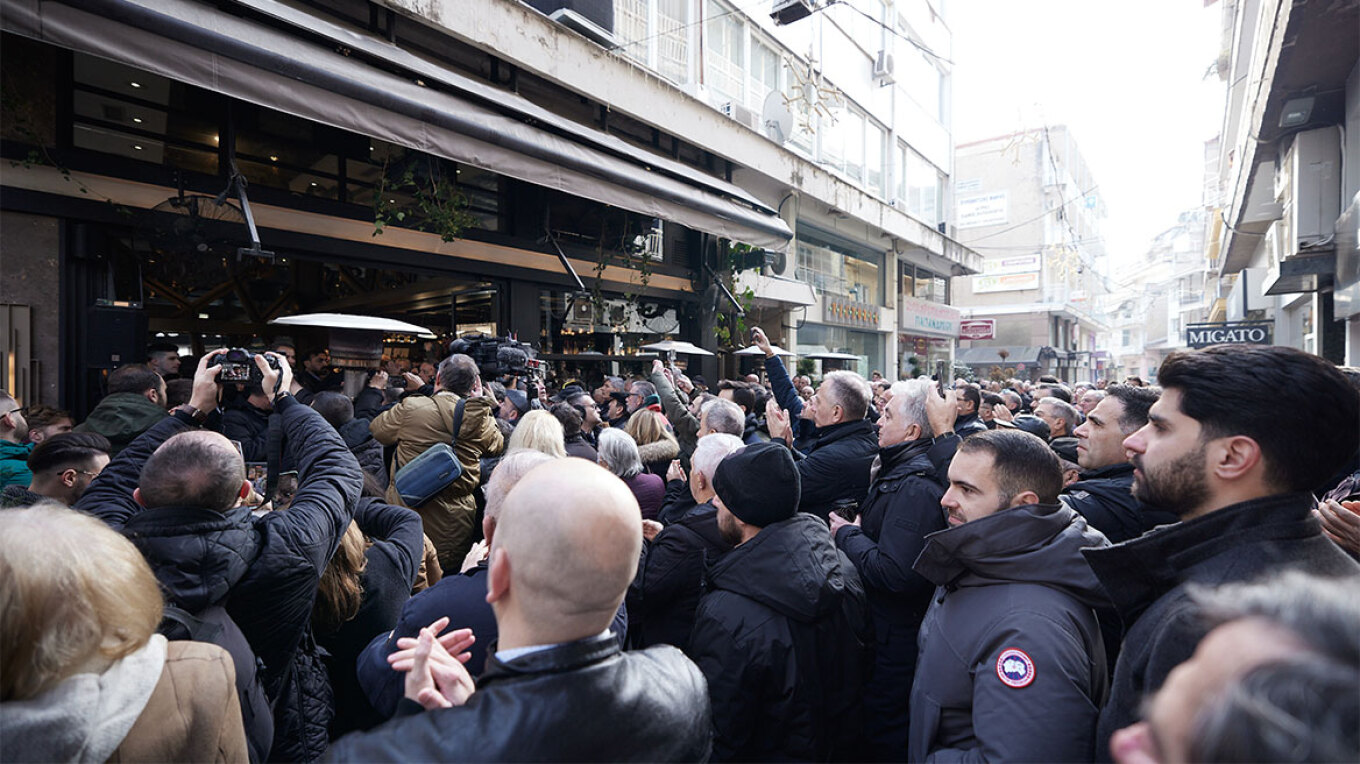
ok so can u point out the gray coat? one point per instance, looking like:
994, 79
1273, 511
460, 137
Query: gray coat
1012, 666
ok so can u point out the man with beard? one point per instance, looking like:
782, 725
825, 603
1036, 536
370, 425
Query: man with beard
781, 634
1240, 482
1103, 494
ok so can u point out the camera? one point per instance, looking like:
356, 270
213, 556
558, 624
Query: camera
238, 366
497, 356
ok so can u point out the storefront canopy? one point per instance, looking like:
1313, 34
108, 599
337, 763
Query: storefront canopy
409, 101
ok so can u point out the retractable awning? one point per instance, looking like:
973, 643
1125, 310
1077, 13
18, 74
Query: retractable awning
459, 119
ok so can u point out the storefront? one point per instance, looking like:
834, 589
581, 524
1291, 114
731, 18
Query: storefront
928, 334
848, 318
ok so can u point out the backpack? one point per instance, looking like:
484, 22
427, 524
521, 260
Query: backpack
215, 626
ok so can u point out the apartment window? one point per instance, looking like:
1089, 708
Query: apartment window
923, 81
725, 55
1126, 338
764, 72
833, 271
802, 114
924, 284
654, 33
853, 147
923, 186
873, 158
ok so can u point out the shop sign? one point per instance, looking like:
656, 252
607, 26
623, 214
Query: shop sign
1001, 266
845, 312
1235, 333
982, 210
925, 317
1017, 282
978, 329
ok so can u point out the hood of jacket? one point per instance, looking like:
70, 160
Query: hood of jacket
17, 451
662, 450
85, 717
1035, 543
355, 432
197, 554
791, 566
123, 416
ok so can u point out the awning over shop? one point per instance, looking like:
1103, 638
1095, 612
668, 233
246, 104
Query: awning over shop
203, 46
989, 356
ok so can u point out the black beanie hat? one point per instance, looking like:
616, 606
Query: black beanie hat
759, 484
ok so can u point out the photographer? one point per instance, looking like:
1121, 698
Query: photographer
419, 422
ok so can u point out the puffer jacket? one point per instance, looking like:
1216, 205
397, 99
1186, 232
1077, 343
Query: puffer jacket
1012, 665
837, 467
418, 422
272, 599
122, 417
1105, 498
365, 448
784, 639
578, 701
14, 464
249, 426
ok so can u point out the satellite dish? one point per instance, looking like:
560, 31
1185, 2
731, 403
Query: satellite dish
776, 118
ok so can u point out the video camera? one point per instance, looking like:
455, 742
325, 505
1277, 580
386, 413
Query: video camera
238, 366
498, 356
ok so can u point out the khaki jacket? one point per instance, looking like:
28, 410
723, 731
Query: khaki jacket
419, 422
194, 713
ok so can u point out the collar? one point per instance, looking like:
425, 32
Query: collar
843, 429
899, 453
1110, 471
1139, 571
550, 659
947, 553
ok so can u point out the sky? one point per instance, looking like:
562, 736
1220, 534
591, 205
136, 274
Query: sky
1129, 80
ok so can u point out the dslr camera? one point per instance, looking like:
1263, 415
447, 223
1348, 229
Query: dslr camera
238, 366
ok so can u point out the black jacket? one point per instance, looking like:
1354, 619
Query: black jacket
969, 424
390, 570
1148, 576
670, 579
1012, 664
837, 467
365, 448
783, 638
580, 701
678, 502
249, 426
1105, 498
285, 553
577, 446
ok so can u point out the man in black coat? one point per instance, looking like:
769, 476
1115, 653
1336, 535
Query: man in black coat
665, 593
558, 688
969, 422
837, 465
174, 491
902, 508
1239, 437
246, 421
782, 634
1104, 494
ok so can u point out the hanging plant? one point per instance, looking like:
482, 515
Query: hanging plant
436, 206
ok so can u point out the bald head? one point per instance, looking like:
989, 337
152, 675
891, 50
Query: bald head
560, 567
198, 469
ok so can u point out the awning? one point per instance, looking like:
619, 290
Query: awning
991, 356
203, 46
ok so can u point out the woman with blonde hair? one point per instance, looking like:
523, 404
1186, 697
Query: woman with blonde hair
655, 440
83, 674
539, 431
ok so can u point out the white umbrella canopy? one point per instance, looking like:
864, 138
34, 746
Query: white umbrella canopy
350, 321
829, 356
755, 350
676, 346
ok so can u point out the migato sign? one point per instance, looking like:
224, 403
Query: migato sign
1236, 333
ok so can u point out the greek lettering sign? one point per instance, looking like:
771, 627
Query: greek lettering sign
977, 329
1235, 333
931, 318
982, 210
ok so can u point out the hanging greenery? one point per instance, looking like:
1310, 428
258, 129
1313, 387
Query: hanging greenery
436, 205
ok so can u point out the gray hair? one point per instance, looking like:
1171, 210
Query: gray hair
712, 449
850, 391
1010, 396
508, 472
1066, 411
909, 402
723, 416
619, 453
457, 374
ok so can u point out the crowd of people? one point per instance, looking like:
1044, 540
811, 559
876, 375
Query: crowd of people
769, 568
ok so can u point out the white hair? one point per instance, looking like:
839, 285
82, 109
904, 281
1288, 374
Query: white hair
710, 452
723, 416
508, 471
909, 402
619, 453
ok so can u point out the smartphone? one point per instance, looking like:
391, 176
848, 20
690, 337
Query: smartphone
939, 377
846, 508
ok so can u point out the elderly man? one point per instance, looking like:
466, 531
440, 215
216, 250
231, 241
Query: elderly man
419, 422
1089, 400
1103, 494
1241, 484
1012, 666
669, 581
837, 467
1061, 418
782, 633
558, 687
788, 394
716, 416
901, 509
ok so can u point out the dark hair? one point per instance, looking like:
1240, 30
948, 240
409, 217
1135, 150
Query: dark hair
992, 399
311, 353
66, 450
193, 469
1225, 387
178, 392
1056, 390
162, 347
742, 395
335, 408
457, 374
41, 415
570, 417
971, 394
1049, 378
1020, 462
133, 378
1136, 402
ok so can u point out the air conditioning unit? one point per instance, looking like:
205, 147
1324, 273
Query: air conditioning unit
883, 68
789, 11
741, 114
1308, 186
592, 18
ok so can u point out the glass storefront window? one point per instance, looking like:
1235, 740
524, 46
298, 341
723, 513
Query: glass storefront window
819, 338
839, 273
924, 284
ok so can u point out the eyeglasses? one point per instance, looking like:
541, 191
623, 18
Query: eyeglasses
87, 472
21, 410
